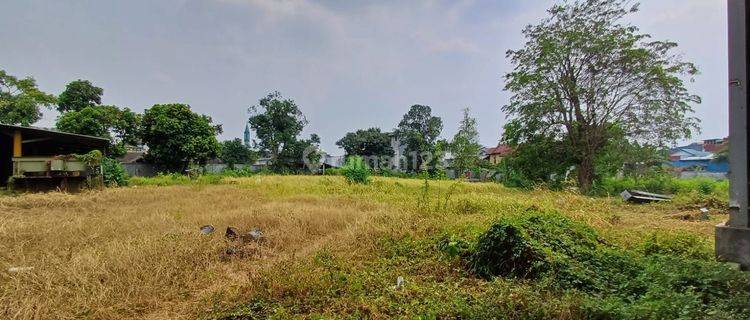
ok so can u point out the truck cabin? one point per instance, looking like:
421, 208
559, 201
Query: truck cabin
36, 158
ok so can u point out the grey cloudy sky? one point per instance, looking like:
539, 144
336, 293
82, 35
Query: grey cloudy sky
348, 64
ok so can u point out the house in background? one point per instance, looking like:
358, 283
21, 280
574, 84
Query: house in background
699, 159
496, 154
715, 145
684, 153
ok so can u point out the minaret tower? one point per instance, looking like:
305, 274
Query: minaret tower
247, 136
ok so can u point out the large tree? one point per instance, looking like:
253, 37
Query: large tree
78, 95
584, 72
21, 100
465, 145
277, 123
371, 143
176, 136
418, 131
121, 126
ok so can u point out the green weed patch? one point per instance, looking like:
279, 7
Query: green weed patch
669, 277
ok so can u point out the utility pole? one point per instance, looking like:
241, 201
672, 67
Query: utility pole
733, 236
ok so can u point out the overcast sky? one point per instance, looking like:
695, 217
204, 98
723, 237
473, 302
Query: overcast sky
347, 64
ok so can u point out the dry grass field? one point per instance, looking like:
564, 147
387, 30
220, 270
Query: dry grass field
332, 250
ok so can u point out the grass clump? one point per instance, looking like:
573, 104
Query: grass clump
681, 244
356, 170
506, 249
668, 283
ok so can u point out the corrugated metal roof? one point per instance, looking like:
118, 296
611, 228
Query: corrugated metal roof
50, 131
55, 135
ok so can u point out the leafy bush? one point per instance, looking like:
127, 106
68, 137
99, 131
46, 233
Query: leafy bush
677, 244
530, 244
706, 187
356, 170
113, 173
616, 283
454, 246
506, 250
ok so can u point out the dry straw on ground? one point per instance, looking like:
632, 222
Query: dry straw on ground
137, 253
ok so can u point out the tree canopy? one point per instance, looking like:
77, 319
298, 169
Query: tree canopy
21, 100
235, 152
418, 131
583, 72
78, 95
277, 123
369, 143
176, 136
465, 145
121, 126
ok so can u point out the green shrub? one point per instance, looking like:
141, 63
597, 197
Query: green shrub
668, 283
356, 170
113, 173
706, 187
454, 246
677, 244
506, 250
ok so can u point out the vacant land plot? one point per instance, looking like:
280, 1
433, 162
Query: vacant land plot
331, 249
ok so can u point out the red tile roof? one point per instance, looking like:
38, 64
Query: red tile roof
501, 150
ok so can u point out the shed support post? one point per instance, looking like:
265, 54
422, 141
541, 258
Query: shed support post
733, 237
17, 144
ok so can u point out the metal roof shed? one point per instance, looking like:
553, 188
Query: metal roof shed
19, 142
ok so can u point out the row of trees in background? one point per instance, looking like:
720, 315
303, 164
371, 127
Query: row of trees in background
175, 135
417, 134
588, 91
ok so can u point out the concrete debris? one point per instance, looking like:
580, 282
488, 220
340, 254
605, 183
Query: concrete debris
704, 214
207, 229
399, 282
232, 234
255, 235
241, 243
19, 269
636, 196
733, 266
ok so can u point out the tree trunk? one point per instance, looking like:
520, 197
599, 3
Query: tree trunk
585, 174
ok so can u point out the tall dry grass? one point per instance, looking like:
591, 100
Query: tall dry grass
137, 253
